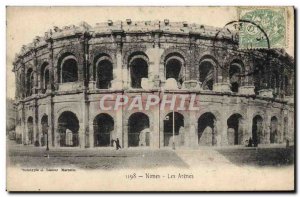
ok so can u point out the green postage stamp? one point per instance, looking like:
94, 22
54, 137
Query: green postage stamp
263, 27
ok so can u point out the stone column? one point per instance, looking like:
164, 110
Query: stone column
248, 131
222, 129
92, 82
81, 135
155, 67
23, 84
266, 90
52, 69
119, 126
23, 125
81, 62
40, 132
125, 77
221, 80
36, 74
91, 134
267, 130
85, 60
247, 86
118, 71
84, 125
36, 122
156, 125
17, 85
193, 132
243, 125
161, 128
125, 135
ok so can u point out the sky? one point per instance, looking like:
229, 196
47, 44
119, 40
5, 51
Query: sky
25, 23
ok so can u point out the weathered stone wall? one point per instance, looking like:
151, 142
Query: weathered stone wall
155, 42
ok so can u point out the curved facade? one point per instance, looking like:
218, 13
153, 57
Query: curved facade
61, 78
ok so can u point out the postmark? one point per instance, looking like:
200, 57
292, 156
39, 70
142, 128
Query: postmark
271, 20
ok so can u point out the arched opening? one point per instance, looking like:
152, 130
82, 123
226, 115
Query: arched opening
175, 69
207, 130
69, 69
30, 130
235, 71
234, 132
178, 129
138, 70
138, 130
44, 77
103, 127
275, 83
206, 74
274, 130
257, 77
68, 126
104, 74
29, 82
45, 126
257, 129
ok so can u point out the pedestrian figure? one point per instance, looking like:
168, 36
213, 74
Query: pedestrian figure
117, 144
250, 142
255, 143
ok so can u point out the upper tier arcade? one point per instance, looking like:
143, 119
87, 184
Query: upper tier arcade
149, 55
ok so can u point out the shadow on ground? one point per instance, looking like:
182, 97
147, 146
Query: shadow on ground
262, 156
143, 158
105, 158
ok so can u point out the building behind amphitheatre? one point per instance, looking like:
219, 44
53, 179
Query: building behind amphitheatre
61, 77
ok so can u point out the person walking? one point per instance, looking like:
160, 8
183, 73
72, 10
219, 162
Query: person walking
118, 144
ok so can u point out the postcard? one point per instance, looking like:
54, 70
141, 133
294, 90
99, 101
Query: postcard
150, 99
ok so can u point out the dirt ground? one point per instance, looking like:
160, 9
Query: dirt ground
109, 158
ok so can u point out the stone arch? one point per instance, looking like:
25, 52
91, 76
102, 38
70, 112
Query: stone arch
274, 131
29, 81
67, 68
69, 107
257, 130
179, 133
98, 51
234, 129
235, 74
207, 129
129, 52
103, 67
174, 67
173, 50
138, 65
68, 50
45, 76
207, 72
68, 129
103, 127
207, 109
30, 133
138, 130
45, 127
